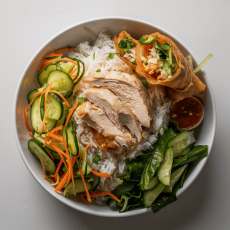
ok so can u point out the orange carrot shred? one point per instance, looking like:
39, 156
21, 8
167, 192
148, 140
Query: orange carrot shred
61, 183
86, 189
70, 113
26, 120
82, 197
64, 49
31, 135
114, 197
56, 137
56, 181
50, 154
83, 153
53, 54
100, 174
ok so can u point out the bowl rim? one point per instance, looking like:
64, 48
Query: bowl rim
86, 210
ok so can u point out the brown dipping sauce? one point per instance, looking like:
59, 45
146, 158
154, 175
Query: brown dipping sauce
187, 113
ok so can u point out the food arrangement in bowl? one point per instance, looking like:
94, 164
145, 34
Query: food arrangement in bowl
113, 121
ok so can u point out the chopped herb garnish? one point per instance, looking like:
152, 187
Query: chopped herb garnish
93, 55
111, 47
147, 40
83, 54
69, 47
126, 44
81, 100
111, 55
96, 159
145, 83
99, 70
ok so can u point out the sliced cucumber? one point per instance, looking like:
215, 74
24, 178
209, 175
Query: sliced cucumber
43, 75
64, 134
174, 178
36, 118
36, 148
73, 144
31, 95
78, 187
54, 106
153, 183
61, 81
181, 141
42, 141
86, 169
95, 182
164, 171
64, 115
42, 88
150, 196
66, 67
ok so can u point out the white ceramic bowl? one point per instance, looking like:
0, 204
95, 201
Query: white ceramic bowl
72, 36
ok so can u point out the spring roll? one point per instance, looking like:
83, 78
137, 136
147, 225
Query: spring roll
126, 45
160, 61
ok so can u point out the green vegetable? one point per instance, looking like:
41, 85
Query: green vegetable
125, 187
167, 68
81, 100
197, 152
126, 44
111, 55
145, 83
84, 54
90, 33
147, 40
99, 70
189, 58
94, 56
111, 47
96, 159
201, 65
125, 198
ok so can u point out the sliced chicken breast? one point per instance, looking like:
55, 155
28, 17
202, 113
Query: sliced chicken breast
97, 119
129, 89
116, 111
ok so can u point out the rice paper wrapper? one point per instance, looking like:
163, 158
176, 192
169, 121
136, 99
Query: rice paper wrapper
197, 87
122, 35
182, 78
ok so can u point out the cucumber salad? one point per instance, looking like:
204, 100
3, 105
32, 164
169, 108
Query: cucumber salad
103, 132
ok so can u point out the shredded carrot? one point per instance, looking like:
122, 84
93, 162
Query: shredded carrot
53, 54
54, 91
56, 137
56, 129
62, 182
181, 66
70, 113
64, 49
57, 59
73, 160
114, 197
100, 174
83, 153
71, 75
86, 189
31, 135
46, 179
50, 154
26, 120
56, 181
76, 79
31, 102
44, 118
74, 70
82, 197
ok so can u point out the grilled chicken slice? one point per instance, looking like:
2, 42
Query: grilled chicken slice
97, 119
129, 89
115, 110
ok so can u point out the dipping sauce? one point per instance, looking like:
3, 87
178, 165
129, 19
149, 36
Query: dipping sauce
187, 113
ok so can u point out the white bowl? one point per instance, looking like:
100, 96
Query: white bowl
72, 36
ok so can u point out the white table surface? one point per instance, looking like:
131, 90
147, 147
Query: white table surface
203, 25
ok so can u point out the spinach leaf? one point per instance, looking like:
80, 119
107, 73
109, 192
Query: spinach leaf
96, 159
174, 126
196, 153
165, 199
123, 188
126, 44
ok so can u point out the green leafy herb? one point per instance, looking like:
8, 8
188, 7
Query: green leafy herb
94, 56
145, 83
84, 54
126, 44
167, 67
147, 40
125, 198
111, 47
189, 58
81, 100
96, 159
98, 70
111, 55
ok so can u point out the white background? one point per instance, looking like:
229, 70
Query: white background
203, 25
